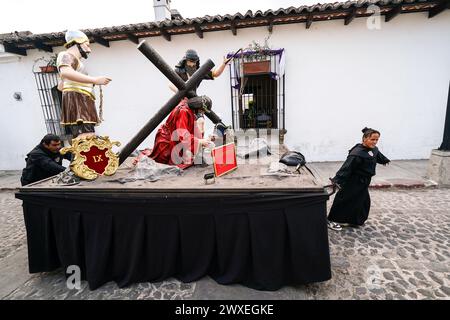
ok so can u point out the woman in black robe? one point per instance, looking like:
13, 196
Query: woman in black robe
352, 202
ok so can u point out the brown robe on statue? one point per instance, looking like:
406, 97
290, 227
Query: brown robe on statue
78, 103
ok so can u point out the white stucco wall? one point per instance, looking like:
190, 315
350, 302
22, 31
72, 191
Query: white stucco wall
338, 80
21, 122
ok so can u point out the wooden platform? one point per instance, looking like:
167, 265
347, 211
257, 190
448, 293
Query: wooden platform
251, 175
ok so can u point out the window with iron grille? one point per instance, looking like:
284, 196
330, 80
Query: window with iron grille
257, 90
51, 101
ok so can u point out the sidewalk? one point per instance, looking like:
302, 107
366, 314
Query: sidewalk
398, 174
10, 179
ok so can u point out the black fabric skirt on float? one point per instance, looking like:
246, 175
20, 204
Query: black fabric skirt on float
352, 203
261, 240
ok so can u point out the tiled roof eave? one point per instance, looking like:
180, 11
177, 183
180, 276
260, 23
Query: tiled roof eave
307, 14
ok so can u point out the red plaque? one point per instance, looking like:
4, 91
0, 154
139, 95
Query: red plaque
224, 159
96, 159
93, 156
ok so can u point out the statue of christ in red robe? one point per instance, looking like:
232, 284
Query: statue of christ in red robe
179, 139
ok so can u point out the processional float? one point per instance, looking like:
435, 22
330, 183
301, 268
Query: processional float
93, 156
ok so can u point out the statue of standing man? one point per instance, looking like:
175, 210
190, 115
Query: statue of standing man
79, 115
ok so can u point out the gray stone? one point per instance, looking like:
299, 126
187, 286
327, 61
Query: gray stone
389, 296
412, 295
411, 250
385, 264
388, 255
416, 257
402, 253
425, 292
438, 267
404, 237
348, 244
439, 167
377, 291
388, 276
349, 252
345, 294
376, 235
440, 258
416, 245
412, 281
340, 262
428, 255
435, 278
361, 291
419, 275
403, 283
445, 290
396, 288
409, 264
439, 294
393, 242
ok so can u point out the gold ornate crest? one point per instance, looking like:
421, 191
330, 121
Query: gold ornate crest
93, 156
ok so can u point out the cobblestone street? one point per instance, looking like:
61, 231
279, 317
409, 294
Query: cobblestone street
401, 253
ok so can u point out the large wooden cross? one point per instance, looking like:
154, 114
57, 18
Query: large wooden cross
185, 89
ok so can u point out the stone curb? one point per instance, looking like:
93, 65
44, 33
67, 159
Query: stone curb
403, 184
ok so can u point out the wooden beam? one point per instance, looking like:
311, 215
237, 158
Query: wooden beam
395, 11
309, 21
42, 46
199, 31
165, 34
133, 38
349, 18
101, 41
270, 26
13, 49
445, 4
233, 28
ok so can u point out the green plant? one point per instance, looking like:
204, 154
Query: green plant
251, 110
52, 60
259, 52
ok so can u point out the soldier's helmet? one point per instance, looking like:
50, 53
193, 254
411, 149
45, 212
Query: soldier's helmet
75, 36
191, 55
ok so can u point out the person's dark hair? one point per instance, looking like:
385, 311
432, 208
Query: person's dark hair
48, 138
367, 132
200, 102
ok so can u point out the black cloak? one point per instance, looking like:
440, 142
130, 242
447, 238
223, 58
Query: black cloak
352, 203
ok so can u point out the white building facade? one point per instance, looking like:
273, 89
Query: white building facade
338, 79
